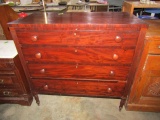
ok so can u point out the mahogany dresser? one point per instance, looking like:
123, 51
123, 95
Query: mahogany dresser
82, 54
14, 87
145, 93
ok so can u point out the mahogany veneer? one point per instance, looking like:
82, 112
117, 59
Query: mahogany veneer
82, 54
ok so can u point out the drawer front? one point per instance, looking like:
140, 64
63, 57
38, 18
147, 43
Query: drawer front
153, 62
6, 66
84, 38
152, 89
82, 88
7, 72
154, 47
6, 80
61, 71
10, 93
89, 55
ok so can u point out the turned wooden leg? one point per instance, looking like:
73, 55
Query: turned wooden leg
122, 102
37, 99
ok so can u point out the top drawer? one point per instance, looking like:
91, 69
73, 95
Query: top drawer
6, 64
154, 47
91, 38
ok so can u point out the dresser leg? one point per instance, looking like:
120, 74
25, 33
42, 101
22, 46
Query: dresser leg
122, 102
37, 99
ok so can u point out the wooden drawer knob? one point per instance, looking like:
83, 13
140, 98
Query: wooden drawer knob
109, 90
115, 56
45, 87
6, 93
77, 65
38, 55
75, 34
1, 81
118, 39
158, 46
112, 73
42, 71
34, 38
75, 50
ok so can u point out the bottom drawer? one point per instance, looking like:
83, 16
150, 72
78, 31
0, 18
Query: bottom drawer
10, 93
81, 88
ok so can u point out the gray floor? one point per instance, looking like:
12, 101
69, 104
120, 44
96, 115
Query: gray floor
72, 108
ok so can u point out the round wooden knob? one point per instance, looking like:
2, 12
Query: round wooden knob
75, 50
45, 87
109, 90
1, 81
112, 73
38, 55
34, 38
42, 71
115, 56
118, 39
75, 33
158, 46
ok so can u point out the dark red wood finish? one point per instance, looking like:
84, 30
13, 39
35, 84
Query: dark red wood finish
84, 54
14, 87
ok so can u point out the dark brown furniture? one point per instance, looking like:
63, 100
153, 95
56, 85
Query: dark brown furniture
82, 54
14, 87
7, 14
145, 92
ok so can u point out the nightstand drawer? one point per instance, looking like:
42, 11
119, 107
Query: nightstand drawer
10, 93
85, 88
6, 64
153, 62
7, 80
154, 47
61, 71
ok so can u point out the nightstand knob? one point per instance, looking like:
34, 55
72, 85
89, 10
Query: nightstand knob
6, 93
45, 87
109, 90
118, 39
34, 38
112, 73
1, 81
38, 55
115, 56
75, 34
76, 29
158, 46
42, 70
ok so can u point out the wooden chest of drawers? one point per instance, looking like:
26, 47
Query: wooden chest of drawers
83, 54
145, 93
14, 87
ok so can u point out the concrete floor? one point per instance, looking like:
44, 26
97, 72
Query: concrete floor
72, 108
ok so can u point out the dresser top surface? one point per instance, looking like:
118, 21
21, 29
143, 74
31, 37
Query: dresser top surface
154, 28
97, 18
7, 49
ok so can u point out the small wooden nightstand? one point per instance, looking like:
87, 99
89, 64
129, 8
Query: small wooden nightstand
14, 87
